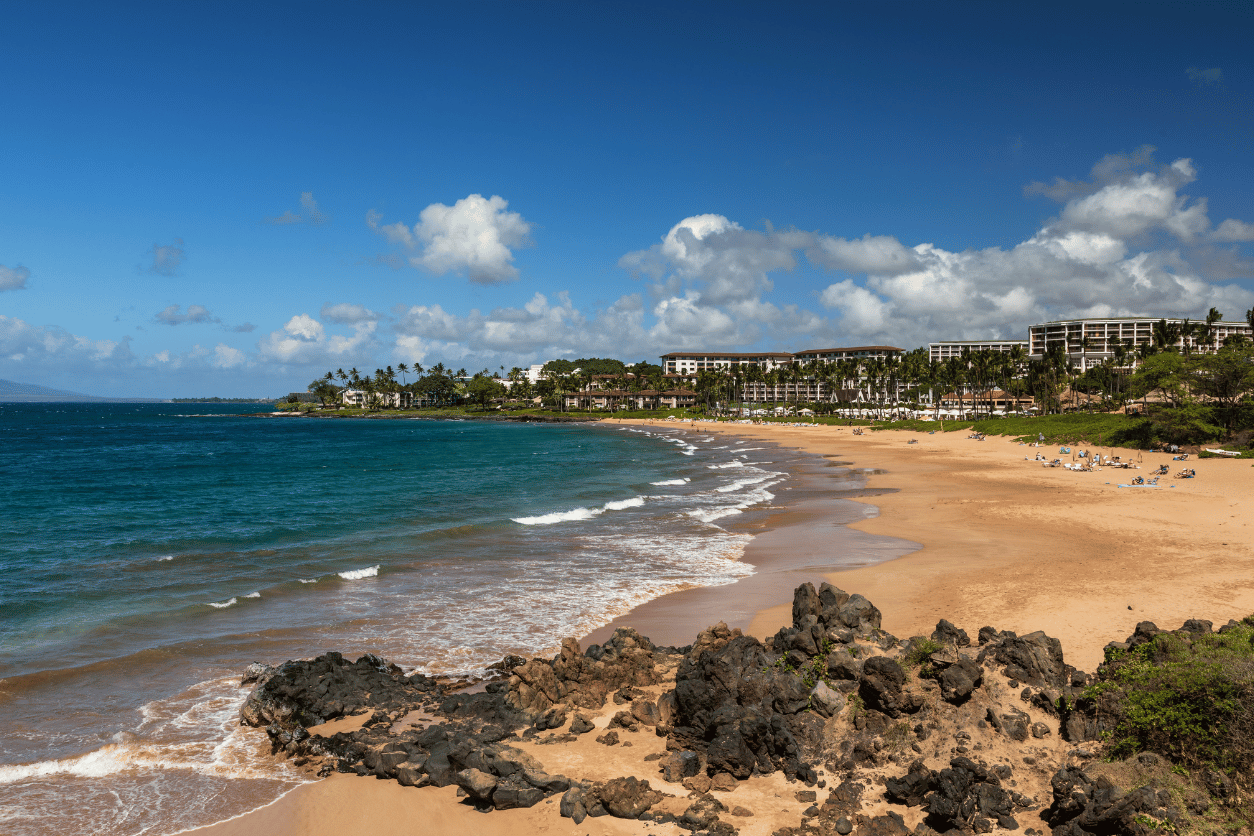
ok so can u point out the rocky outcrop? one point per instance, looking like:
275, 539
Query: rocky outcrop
736, 709
1139, 797
306, 693
582, 679
623, 798
959, 733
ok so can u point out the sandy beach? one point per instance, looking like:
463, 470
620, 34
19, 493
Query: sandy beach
979, 534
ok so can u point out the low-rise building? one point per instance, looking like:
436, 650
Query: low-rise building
394, 400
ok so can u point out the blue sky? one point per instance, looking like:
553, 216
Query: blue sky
231, 199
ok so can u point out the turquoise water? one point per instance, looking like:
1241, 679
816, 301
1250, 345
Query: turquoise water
149, 552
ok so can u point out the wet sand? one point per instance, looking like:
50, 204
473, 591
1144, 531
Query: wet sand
974, 533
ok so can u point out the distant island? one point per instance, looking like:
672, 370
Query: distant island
14, 392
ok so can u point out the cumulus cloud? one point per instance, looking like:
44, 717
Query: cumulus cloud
346, 314
880, 254
174, 315
305, 341
1128, 242
245, 328
13, 278
544, 327
167, 258
310, 213
41, 347
475, 236
1234, 230
225, 357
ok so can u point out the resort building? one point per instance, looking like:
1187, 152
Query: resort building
1091, 342
791, 384
835, 355
625, 399
947, 349
999, 402
360, 398
691, 362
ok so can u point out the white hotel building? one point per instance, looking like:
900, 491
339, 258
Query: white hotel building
1104, 334
947, 349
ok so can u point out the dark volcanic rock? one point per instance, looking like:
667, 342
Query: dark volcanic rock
306, 693
881, 685
964, 792
948, 634
959, 680
1087, 803
627, 798
1035, 659
736, 708
891, 824
911, 788
582, 679
478, 785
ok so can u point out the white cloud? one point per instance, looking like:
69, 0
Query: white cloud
225, 357
1233, 230
475, 236
347, 314
173, 315
1118, 247
166, 259
305, 341
42, 347
310, 213
13, 278
880, 254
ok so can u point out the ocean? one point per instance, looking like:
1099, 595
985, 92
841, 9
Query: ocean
150, 552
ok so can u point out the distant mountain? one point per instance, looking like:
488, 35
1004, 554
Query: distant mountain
13, 392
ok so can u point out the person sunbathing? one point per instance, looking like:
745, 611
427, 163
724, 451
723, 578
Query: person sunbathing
1138, 481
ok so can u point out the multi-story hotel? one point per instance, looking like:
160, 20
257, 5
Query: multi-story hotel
688, 364
691, 362
1090, 342
834, 355
942, 351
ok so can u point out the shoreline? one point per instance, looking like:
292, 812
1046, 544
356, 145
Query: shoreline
1011, 544
805, 534
986, 538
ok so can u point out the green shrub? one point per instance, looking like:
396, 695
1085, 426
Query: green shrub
922, 649
1188, 698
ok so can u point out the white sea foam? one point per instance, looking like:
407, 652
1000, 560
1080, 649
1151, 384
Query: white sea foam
713, 514
576, 514
624, 504
165, 558
559, 516
744, 483
725, 465
671, 482
253, 595
222, 605
308, 580
358, 574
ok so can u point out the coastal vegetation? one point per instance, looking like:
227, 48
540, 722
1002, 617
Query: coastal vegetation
1181, 388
